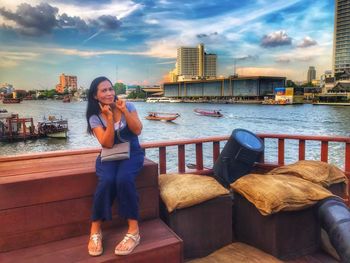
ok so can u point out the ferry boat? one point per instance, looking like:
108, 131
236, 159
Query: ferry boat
162, 116
162, 100
59, 187
54, 128
209, 113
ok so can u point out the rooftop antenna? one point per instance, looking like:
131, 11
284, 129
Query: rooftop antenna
116, 73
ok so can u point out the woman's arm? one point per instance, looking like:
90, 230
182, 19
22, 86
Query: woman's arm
106, 136
132, 118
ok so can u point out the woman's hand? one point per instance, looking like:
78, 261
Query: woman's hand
107, 111
121, 105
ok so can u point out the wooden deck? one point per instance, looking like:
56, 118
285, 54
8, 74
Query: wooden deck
45, 203
159, 245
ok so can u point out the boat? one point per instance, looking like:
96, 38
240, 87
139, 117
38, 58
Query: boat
161, 116
162, 100
152, 99
50, 184
209, 113
54, 128
11, 100
3, 111
66, 99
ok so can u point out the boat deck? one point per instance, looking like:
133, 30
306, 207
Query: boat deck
45, 202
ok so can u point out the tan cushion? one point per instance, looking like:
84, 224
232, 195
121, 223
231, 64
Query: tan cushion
237, 253
318, 172
185, 190
272, 193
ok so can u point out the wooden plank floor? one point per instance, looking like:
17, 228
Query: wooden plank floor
158, 244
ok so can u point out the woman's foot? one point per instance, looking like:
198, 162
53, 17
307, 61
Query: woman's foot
95, 247
128, 244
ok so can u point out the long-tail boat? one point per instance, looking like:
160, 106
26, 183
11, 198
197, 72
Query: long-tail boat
45, 204
209, 113
161, 116
11, 100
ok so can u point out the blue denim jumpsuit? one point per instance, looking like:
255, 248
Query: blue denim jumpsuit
116, 180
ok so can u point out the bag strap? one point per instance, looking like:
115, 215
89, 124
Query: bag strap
118, 131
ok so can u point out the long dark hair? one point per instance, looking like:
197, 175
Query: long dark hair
92, 107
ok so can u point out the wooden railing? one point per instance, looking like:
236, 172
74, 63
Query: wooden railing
162, 147
302, 139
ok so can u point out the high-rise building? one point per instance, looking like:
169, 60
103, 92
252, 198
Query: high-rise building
66, 82
194, 63
341, 38
311, 74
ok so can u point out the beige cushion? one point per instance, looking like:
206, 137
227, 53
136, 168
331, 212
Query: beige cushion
185, 190
272, 193
318, 172
237, 253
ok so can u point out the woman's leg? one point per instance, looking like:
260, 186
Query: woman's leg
103, 199
127, 195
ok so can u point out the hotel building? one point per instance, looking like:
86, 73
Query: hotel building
341, 38
194, 63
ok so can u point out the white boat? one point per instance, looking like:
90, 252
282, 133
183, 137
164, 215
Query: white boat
162, 100
152, 100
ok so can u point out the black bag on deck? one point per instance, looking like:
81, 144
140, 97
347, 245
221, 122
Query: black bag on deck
237, 158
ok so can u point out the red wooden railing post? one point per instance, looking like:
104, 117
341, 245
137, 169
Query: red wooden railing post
324, 151
281, 151
301, 149
162, 160
199, 156
347, 158
262, 158
216, 151
181, 158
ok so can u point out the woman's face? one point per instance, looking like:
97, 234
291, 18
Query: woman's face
105, 93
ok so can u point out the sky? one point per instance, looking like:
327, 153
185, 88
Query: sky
135, 41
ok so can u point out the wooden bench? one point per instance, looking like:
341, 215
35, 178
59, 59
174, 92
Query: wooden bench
48, 198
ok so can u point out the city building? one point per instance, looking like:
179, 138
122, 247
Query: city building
341, 37
327, 81
236, 88
6, 88
193, 63
311, 74
67, 82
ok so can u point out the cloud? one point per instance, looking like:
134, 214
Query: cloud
276, 39
33, 21
14, 58
207, 35
247, 58
43, 18
106, 22
263, 71
307, 42
66, 21
282, 60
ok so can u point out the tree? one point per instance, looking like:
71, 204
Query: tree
51, 93
290, 83
119, 88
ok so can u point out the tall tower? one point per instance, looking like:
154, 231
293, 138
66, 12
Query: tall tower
201, 60
311, 74
341, 37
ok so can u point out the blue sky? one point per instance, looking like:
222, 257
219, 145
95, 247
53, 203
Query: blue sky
135, 41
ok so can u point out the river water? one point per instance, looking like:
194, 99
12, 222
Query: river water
291, 119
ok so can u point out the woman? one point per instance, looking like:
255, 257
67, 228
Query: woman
106, 115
